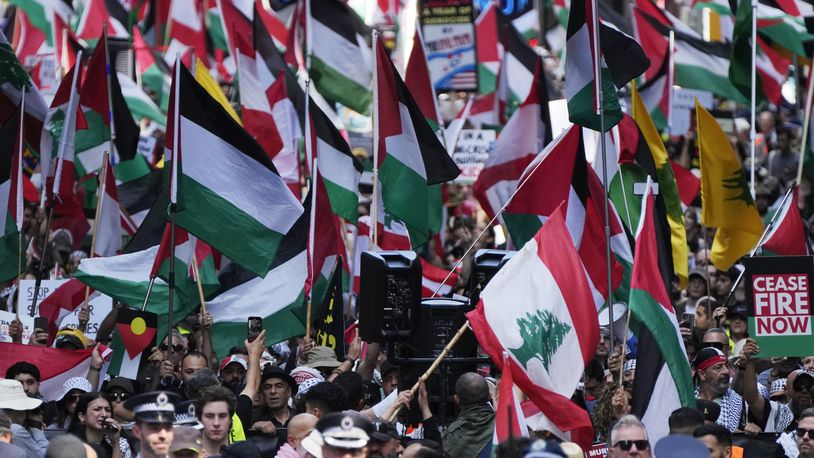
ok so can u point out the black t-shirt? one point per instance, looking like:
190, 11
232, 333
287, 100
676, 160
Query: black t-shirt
243, 409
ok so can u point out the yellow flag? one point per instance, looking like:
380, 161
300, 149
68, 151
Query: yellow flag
667, 185
203, 78
726, 202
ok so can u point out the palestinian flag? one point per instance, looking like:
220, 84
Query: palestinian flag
668, 189
56, 365
138, 191
126, 277
133, 337
726, 202
42, 13
278, 297
268, 113
516, 73
787, 237
538, 309
340, 57
57, 151
154, 73
104, 117
524, 136
139, 103
11, 196
13, 81
215, 162
96, 17
108, 238
620, 60
392, 236
699, 64
559, 174
62, 302
688, 184
432, 279
663, 382
487, 49
509, 419
769, 78
30, 45
417, 79
410, 156
185, 31
272, 22
786, 31
188, 249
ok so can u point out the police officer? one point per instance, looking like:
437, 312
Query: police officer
341, 434
154, 414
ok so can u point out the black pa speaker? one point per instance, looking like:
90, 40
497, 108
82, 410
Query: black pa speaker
485, 265
389, 296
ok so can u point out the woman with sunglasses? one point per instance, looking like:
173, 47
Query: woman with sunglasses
93, 423
72, 390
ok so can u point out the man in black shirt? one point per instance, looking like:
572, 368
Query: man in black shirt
276, 387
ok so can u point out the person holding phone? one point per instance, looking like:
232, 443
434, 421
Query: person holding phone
94, 424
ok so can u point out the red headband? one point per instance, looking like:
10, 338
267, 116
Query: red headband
711, 362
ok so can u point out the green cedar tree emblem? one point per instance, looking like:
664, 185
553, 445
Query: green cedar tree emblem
10, 69
738, 182
542, 335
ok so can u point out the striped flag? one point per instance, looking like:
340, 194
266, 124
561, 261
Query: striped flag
410, 156
516, 73
216, 162
62, 302
788, 235
138, 102
11, 196
663, 382
510, 421
340, 56
95, 17
392, 236
432, 279
109, 226
185, 31
538, 310
154, 72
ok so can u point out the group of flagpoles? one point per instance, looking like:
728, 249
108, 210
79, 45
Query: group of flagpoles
73, 101
752, 131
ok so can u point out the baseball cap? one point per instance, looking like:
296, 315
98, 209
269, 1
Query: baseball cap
70, 337
120, 382
233, 359
738, 310
186, 438
700, 272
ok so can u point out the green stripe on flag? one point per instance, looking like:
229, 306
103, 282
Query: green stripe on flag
344, 202
335, 86
407, 202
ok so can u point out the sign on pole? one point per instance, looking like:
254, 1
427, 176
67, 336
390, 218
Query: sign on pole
471, 152
99, 305
449, 38
778, 294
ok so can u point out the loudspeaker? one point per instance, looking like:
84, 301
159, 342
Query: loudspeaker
485, 265
439, 320
389, 296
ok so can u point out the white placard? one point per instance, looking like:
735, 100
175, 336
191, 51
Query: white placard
471, 151
98, 304
683, 105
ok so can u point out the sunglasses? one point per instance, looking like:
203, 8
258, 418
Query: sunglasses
801, 432
176, 348
118, 397
641, 444
803, 386
718, 345
73, 398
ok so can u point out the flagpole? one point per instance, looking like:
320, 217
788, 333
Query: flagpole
752, 132
19, 203
760, 241
147, 296
99, 202
599, 93
374, 205
197, 272
309, 154
806, 122
109, 74
670, 82
176, 155
72, 102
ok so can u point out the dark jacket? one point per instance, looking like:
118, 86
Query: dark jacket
470, 432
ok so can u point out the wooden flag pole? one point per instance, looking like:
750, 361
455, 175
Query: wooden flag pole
197, 273
436, 363
99, 200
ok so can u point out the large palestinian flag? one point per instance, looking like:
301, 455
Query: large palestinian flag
229, 192
11, 196
538, 309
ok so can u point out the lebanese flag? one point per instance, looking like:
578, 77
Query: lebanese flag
510, 421
525, 135
538, 309
788, 235
432, 277
109, 226
56, 365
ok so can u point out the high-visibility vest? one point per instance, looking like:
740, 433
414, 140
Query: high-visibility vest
236, 432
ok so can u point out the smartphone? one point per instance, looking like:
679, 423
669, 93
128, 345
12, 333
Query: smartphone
689, 318
255, 327
40, 322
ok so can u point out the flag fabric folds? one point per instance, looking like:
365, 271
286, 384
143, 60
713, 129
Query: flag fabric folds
726, 202
11, 196
133, 337
787, 236
538, 309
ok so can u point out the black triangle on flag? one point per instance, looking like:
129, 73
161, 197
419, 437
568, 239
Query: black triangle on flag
329, 323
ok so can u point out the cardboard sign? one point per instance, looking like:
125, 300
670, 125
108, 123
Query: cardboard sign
449, 40
471, 151
6, 319
99, 306
684, 104
778, 291
597, 451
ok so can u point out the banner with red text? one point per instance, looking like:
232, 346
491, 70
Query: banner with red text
778, 294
